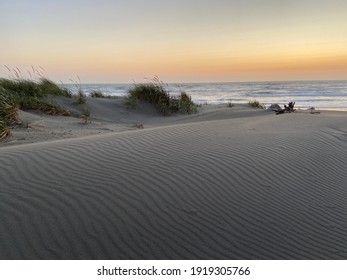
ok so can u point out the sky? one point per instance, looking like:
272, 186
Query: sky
120, 41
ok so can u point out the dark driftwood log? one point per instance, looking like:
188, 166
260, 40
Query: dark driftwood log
287, 108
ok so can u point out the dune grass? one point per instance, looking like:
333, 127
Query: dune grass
81, 97
30, 88
131, 101
99, 94
8, 107
4, 129
256, 104
43, 105
155, 92
49, 87
8, 114
26, 94
85, 115
96, 94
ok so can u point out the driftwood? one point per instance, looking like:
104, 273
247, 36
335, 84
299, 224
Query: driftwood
287, 109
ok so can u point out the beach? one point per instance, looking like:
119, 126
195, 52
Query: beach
225, 183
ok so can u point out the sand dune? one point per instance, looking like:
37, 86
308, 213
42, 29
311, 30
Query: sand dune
220, 185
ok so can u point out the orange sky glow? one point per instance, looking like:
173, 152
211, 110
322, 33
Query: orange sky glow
180, 41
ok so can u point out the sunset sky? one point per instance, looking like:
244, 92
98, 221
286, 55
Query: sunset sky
180, 41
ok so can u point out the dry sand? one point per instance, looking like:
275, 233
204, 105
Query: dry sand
226, 183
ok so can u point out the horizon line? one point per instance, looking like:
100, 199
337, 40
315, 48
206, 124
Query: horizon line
215, 82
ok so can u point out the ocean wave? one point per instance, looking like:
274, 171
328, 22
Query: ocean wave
320, 94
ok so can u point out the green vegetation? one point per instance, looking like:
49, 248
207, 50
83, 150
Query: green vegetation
45, 106
230, 104
139, 126
4, 130
25, 94
131, 101
49, 87
99, 94
29, 88
85, 114
8, 114
96, 94
8, 108
256, 104
155, 92
81, 97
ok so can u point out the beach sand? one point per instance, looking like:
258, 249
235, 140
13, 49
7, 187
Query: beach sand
226, 183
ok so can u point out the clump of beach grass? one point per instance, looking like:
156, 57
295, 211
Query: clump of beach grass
230, 104
131, 101
85, 115
256, 104
81, 97
185, 104
8, 113
4, 129
17, 93
155, 92
30, 88
139, 126
45, 106
51, 88
98, 94
8, 108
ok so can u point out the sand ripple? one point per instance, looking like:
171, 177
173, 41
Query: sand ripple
192, 191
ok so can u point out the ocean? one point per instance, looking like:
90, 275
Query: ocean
323, 95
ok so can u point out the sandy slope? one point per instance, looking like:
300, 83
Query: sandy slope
228, 183
107, 116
